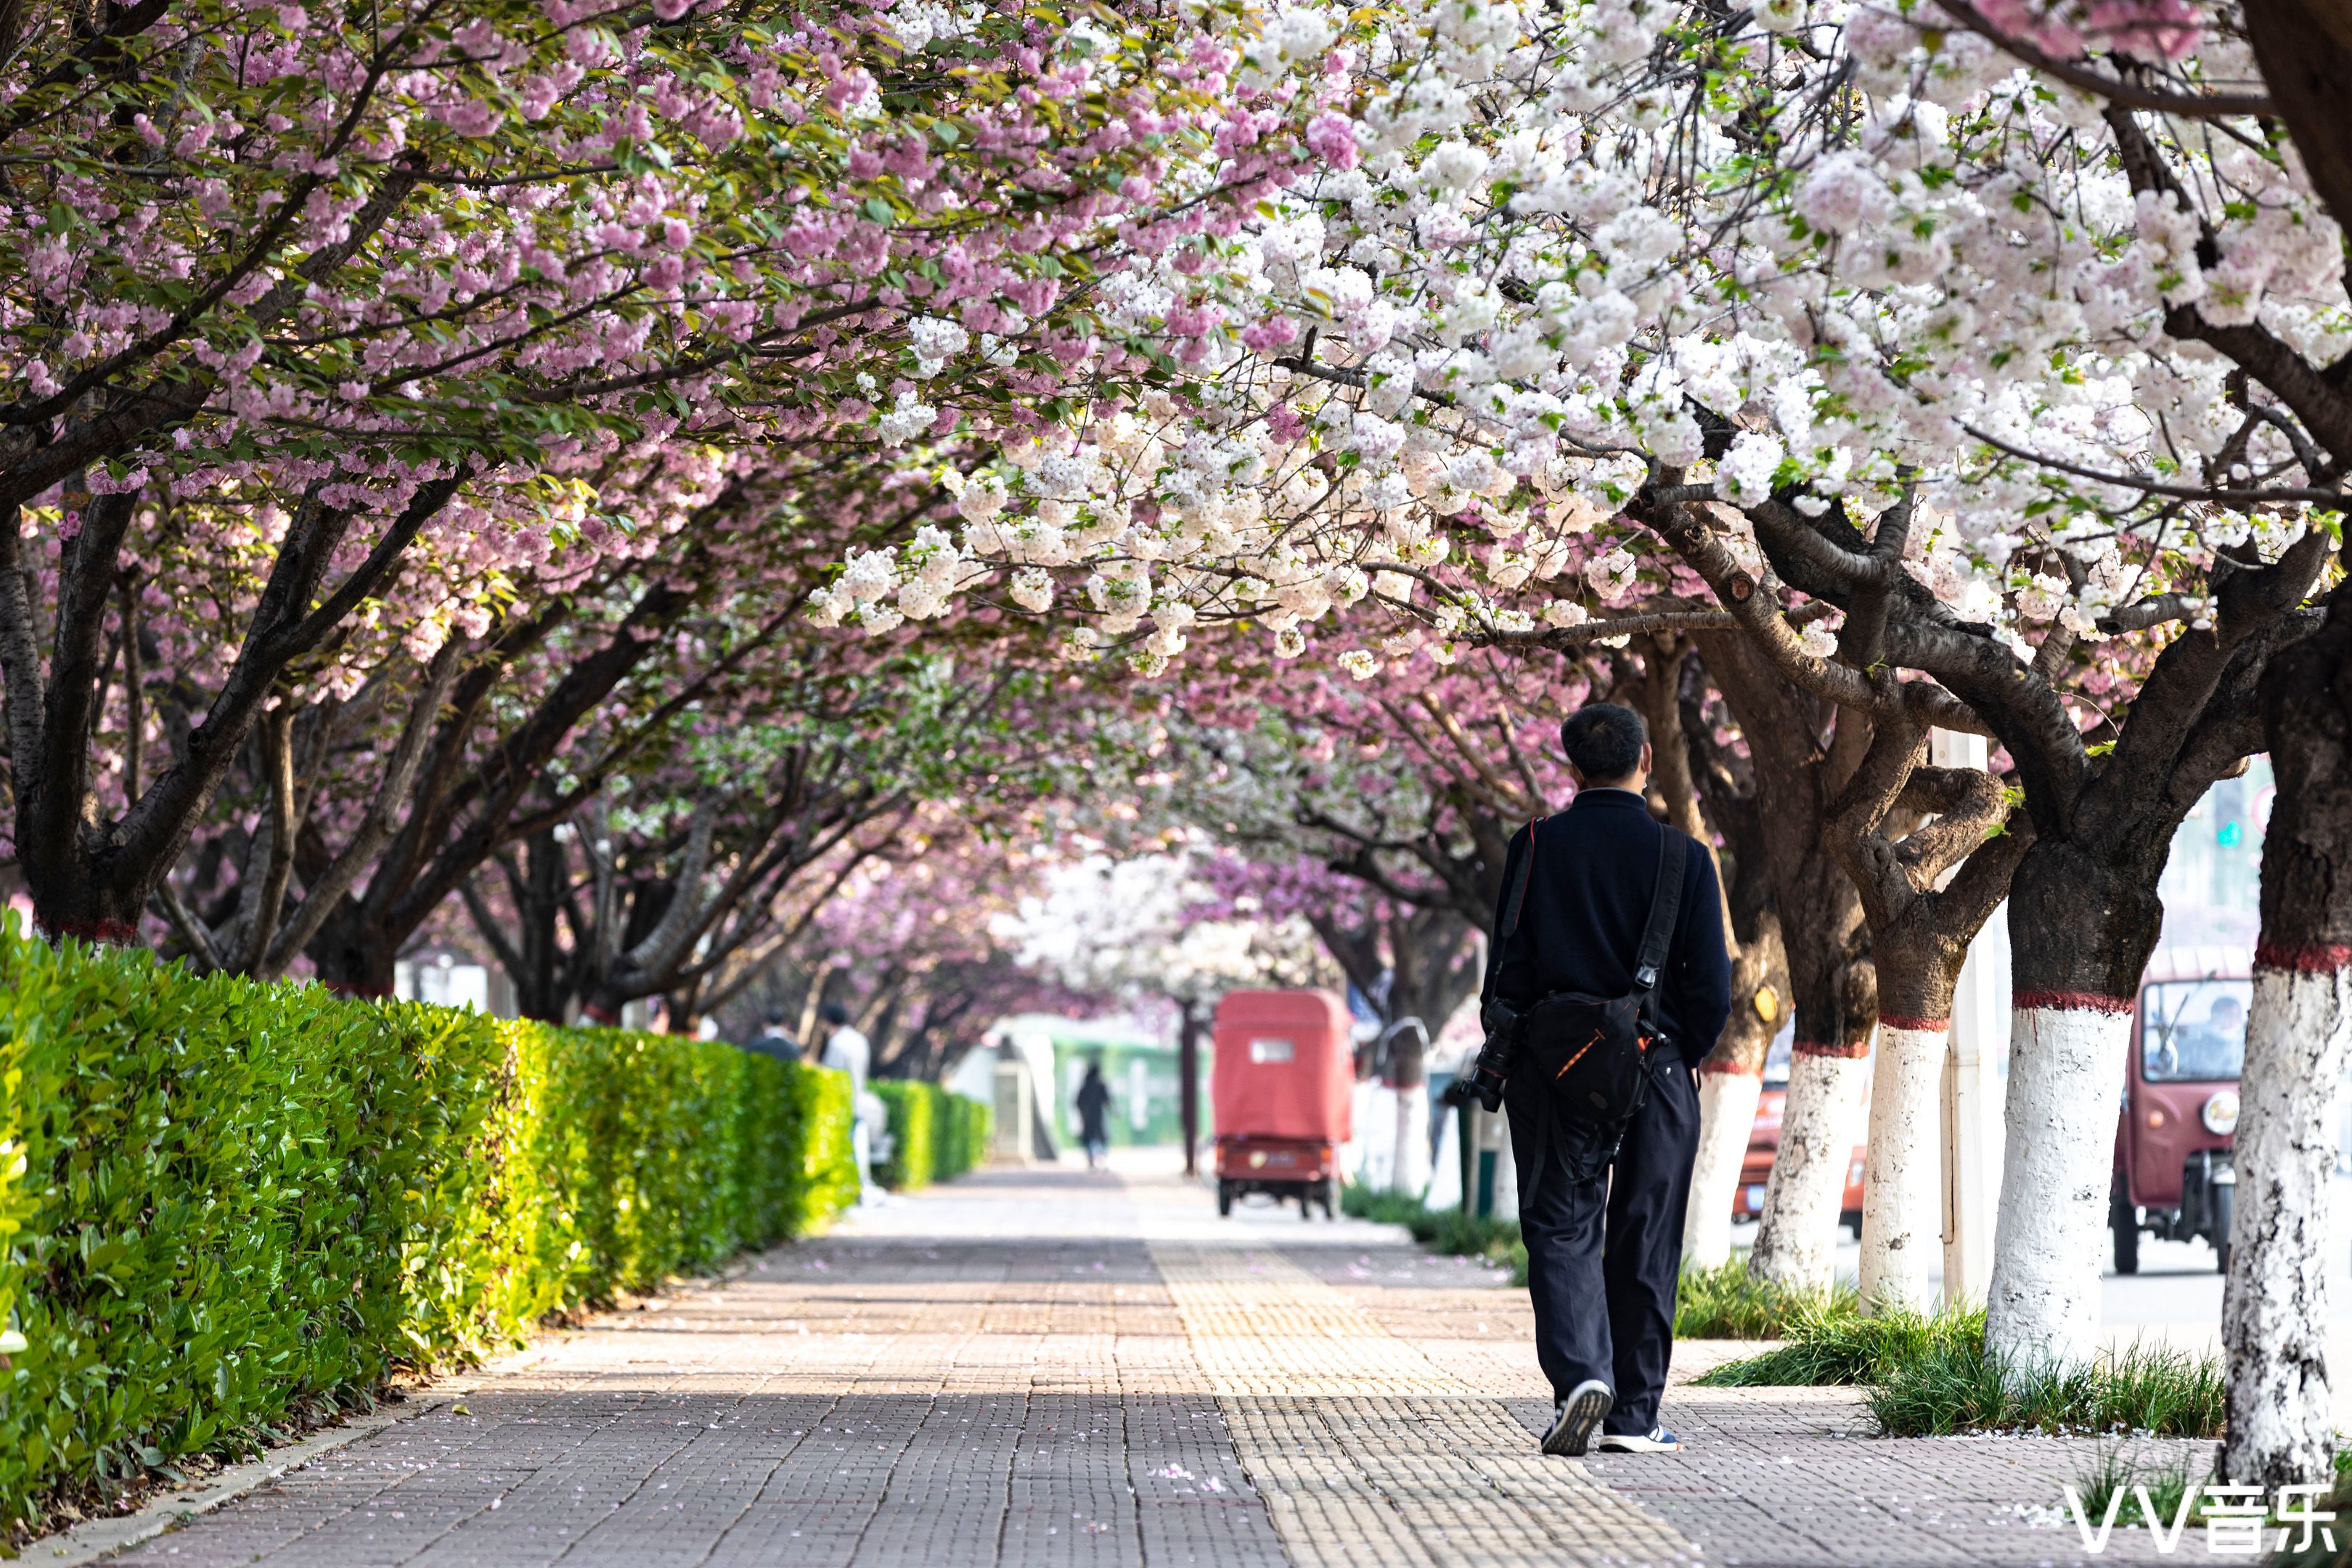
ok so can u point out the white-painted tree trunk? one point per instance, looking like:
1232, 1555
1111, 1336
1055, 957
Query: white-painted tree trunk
1506, 1171
1902, 1205
1408, 1166
1446, 1166
2275, 1306
1796, 1236
1375, 1114
2065, 1091
1726, 1120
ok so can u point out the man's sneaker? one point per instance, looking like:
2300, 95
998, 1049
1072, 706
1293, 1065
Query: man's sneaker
1656, 1440
1578, 1414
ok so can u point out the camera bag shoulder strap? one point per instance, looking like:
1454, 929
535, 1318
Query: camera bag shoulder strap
1666, 904
1514, 906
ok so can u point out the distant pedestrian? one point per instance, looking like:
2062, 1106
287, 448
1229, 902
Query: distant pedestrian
1094, 1115
1607, 982
772, 1040
847, 1049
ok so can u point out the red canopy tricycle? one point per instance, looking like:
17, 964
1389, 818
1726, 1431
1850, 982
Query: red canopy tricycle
2176, 1142
1283, 1089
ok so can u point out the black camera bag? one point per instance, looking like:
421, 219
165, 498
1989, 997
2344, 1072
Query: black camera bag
1594, 1053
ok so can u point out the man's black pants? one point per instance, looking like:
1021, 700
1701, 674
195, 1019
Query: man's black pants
1603, 1255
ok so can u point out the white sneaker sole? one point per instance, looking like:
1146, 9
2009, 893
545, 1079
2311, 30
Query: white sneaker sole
1615, 1445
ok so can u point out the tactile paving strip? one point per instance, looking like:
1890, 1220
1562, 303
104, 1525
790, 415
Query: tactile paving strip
1365, 1450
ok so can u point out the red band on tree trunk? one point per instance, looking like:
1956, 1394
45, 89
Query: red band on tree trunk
2322, 958
1732, 1069
1916, 1025
2073, 1001
1852, 1050
119, 933
596, 1015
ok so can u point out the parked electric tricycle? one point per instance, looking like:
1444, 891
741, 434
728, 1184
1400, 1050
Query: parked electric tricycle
1283, 1090
2173, 1175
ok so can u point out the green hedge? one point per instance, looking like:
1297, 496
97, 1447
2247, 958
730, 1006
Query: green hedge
937, 1136
971, 1129
221, 1200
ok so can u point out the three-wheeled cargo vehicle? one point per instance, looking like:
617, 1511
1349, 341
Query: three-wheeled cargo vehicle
2173, 1175
1282, 1088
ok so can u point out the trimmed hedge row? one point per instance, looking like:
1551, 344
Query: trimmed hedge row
221, 1200
937, 1136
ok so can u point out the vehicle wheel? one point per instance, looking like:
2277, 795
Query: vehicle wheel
2223, 1201
1225, 1198
2125, 1223
1306, 1201
1852, 1220
1331, 1197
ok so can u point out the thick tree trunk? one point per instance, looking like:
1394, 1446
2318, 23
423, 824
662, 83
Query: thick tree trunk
2281, 1426
1730, 1082
2065, 1080
1727, 1119
1837, 1010
2081, 931
1795, 1239
1835, 997
1196, 1020
1902, 1211
352, 964
2275, 1306
1409, 1167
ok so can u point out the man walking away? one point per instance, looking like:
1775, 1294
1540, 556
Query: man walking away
774, 1039
1094, 1115
1604, 1238
847, 1049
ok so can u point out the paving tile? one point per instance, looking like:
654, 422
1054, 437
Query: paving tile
1076, 1371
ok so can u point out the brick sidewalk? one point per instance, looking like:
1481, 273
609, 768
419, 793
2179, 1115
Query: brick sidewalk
1056, 1368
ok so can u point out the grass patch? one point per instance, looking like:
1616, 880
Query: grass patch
1830, 1342
1727, 1302
2120, 1469
1449, 1231
1958, 1386
1929, 1374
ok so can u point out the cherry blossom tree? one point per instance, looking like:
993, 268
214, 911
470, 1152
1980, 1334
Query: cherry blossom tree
368, 310
1743, 291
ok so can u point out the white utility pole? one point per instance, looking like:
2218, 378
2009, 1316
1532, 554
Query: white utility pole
1971, 1112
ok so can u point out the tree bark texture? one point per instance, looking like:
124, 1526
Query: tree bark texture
1902, 1209
1727, 1118
2275, 1305
1731, 1074
1803, 1196
1920, 925
2065, 1080
2084, 912
1797, 777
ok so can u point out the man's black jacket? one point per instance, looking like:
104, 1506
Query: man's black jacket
1588, 898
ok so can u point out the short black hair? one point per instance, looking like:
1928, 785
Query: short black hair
1604, 739
834, 1013
773, 1014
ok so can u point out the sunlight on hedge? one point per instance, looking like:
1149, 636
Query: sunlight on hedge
936, 1136
219, 1201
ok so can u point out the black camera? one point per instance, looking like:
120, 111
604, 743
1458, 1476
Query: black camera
1492, 1067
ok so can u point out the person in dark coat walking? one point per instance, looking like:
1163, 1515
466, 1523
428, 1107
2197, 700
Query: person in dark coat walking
1094, 1114
1605, 1254
774, 1039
